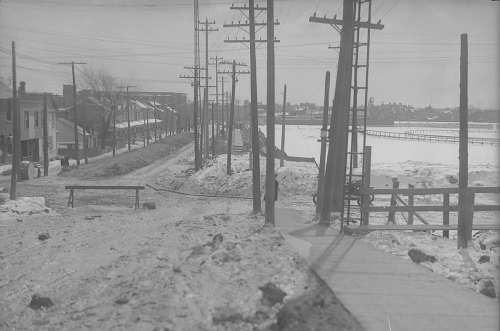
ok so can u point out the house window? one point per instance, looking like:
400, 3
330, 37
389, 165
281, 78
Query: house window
27, 119
53, 120
9, 111
36, 119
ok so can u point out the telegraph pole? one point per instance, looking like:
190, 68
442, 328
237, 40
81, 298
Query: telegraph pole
270, 148
335, 176
282, 160
205, 105
213, 132
254, 128
84, 134
196, 83
113, 106
233, 74
336, 147
464, 230
16, 157
324, 135
217, 93
45, 137
77, 147
128, 113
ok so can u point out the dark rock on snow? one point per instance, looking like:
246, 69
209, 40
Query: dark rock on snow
44, 236
149, 205
484, 259
488, 289
217, 239
271, 294
418, 256
37, 302
227, 314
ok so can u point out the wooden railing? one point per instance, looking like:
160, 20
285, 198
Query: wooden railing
428, 137
445, 208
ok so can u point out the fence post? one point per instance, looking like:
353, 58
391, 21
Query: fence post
367, 166
446, 214
392, 214
410, 203
471, 193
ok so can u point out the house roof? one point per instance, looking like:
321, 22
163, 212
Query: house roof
140, 104
5, 91
71, 124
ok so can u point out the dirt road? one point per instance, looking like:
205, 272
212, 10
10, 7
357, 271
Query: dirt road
105, 266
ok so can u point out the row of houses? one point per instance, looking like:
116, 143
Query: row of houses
100, 122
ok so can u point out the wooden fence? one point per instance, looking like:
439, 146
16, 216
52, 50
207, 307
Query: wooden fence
428, 137
412, 210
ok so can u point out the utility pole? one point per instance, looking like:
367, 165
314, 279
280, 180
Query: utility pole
213, 132
77, 147
282, 160
324, 135
254, 129
84, 134
340, 105
196, 105
45, 137
147, 123
335, 175
207, 30
128, 113
233, 74
217, 92
113, 107
270, 148
464, 232
16, 134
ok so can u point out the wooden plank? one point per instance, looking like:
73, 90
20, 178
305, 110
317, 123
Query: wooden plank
424, 191
418, 227
408, 208
91, 187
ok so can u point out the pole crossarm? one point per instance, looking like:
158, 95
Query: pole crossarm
248, 40
72, 63
334, 21
234, 25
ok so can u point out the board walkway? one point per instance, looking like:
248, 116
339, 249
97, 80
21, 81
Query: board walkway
383, 291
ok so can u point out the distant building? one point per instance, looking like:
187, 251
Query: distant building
31, 125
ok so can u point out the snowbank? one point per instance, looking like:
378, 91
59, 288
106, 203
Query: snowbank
23, 205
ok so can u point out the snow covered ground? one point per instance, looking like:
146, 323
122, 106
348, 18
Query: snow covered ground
423, 164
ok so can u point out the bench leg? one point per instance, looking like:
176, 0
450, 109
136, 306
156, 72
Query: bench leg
137, 199
71, 198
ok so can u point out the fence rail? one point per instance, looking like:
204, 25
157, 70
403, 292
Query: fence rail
428, 137
412, 210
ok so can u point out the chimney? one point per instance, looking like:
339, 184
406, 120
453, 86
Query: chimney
22, 88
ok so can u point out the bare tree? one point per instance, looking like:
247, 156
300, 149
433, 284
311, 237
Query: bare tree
103, 88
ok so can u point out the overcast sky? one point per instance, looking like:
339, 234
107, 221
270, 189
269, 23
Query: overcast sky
414, 60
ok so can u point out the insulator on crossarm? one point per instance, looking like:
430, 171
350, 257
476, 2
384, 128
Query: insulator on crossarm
314, 15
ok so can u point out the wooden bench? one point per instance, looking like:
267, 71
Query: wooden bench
416, 227
72, 189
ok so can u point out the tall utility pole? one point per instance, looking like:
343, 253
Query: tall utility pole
233, 74
324, 134
340, 113
338, 136
463, 213
282, 160
217, 92
16, 157
254, 126
271, 150
128, 113
207, 30
213, 132
113, 108
77, 147
45, 137
196, 105
84, 134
